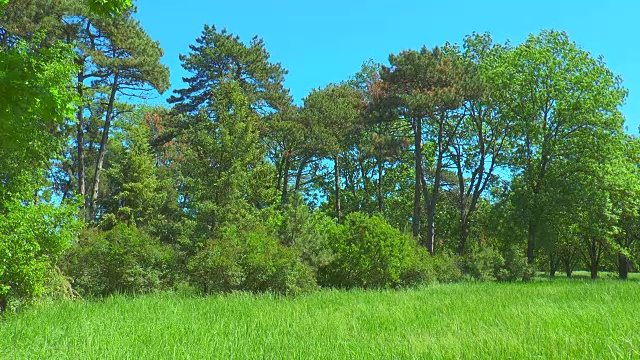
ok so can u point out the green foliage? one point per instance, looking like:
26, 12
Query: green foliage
370, 253
134, 192
447, 268
109, 7
307, 233
219, 57
252, 260
482, 263
32, 239
35, 100
515, 265
123, 259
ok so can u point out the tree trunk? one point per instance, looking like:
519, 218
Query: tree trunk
567, 267
417, 140
80, 142
464, 234
103, 143
303, 163
623, 266
285, 182
531, 239
431, 228
594, 270
432, 201
380, 170
336, 168
593, 259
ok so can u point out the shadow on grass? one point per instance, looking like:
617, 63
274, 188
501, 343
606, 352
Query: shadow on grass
586, 275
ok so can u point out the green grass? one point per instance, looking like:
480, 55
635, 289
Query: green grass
541, 320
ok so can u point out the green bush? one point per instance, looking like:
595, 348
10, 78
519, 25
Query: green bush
249, 261
306, 232
515, 265
123, 259
32, 238
446, 268
420, 268
482, 263
370, 253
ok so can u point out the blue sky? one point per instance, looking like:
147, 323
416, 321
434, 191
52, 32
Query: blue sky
327, 41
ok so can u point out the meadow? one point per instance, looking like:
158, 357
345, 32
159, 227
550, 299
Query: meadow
561, 319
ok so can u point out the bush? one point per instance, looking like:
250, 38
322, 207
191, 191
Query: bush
515, 265
32, 238
307, 233
446, 268
370, 253
123, 259
420, 269
482, 263
249, 261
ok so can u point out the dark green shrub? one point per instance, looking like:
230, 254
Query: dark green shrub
306, 232
446, 267
482, 263
123, 259
515, 265
370, 253
249, 261
420, 269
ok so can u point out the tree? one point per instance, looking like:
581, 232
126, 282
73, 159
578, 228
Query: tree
558, 97
114, 57
224, 173
333, 113
422, 89
219, 56
479, 149
35, 100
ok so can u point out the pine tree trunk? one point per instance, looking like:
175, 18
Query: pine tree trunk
464, 233
303, 163
336, 168
417, 210
80, 142
285, 182
593, 257
103, 143
431, 228
380, 200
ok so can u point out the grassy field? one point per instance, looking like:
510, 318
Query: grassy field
541, 320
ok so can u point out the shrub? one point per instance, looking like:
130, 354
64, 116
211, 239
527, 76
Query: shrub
515, 265
32, 238
420, 269
306, 232
370, 253
249, 261
446, 268
482, 263
123, 259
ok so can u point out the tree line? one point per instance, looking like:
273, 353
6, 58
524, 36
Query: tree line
473, 160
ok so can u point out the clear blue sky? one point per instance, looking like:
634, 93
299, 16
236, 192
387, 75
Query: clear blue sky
327, 41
